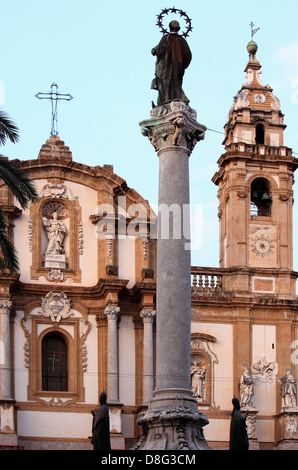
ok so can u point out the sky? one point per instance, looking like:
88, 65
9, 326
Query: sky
100, 53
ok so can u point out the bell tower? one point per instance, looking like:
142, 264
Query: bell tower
255, 179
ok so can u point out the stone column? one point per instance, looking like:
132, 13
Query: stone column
148, 318
7, 419
173, 420
5, 364
112, 313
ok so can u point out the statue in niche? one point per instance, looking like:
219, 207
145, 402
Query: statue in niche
55, 231
173, 56
288, 391
198, 379
246, 388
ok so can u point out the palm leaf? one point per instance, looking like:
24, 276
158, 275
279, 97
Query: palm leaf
8, 130
20, 185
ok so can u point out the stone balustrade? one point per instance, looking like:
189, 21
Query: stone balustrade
206, 279
260, 149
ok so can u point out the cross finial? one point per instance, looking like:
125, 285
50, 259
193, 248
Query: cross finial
253, 31
54, 96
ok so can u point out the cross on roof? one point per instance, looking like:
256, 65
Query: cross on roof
54, 96
253, 31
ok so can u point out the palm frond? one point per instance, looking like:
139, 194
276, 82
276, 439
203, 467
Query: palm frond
8, 130
22, 188
9, 259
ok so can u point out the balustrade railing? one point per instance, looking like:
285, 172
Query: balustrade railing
206, 279
259, 149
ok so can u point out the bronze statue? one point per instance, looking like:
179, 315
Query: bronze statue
173, 56
101, 425
238, 431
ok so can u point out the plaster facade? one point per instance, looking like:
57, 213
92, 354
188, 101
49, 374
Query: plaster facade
97, 293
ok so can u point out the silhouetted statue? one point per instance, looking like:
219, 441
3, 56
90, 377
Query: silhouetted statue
238, 432
101, 425
173, 56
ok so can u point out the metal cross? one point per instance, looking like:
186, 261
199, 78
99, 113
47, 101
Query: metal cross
54, 96
53, 359
253, 31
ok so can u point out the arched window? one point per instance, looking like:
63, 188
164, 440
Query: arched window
54, 363
260, 198
260, 134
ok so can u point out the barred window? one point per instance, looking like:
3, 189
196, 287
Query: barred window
54, 363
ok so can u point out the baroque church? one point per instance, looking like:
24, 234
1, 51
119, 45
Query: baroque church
79, 318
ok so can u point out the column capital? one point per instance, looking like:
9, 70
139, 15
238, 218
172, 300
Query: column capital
147, 315
112, 312
173, 125
5, 305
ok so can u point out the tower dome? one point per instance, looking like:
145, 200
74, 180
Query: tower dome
254, 102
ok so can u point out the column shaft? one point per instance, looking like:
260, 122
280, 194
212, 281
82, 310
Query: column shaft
5, 362
112, 316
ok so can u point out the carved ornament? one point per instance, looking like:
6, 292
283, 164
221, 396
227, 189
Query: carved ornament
56, 305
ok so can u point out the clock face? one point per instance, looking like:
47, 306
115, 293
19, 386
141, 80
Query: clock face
262, 246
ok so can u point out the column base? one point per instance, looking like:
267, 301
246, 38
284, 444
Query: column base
8, 437
117, 438
172, 423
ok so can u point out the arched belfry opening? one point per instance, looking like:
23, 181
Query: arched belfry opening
261, 200
260, 134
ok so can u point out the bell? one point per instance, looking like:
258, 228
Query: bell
266, 197
255, 195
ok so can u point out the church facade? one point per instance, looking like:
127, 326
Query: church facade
80, 316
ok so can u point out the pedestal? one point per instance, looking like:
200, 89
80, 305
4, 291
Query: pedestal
287, 430
251, 422
55, 261
172, 420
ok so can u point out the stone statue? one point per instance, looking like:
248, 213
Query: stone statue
246, 388
198, 379
288, 391
55, 231
173, 56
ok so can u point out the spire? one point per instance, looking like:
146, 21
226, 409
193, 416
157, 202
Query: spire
253, 103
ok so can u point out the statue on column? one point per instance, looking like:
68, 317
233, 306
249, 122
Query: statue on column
288, 391
173, 56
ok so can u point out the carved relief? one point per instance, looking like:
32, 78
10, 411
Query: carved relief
81, 239
84, 330
264, 371
173, 124
259, 98
30, 234
55, 191
291, 427
56, 306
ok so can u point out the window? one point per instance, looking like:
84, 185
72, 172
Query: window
260, 134
54, 363
260, 198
